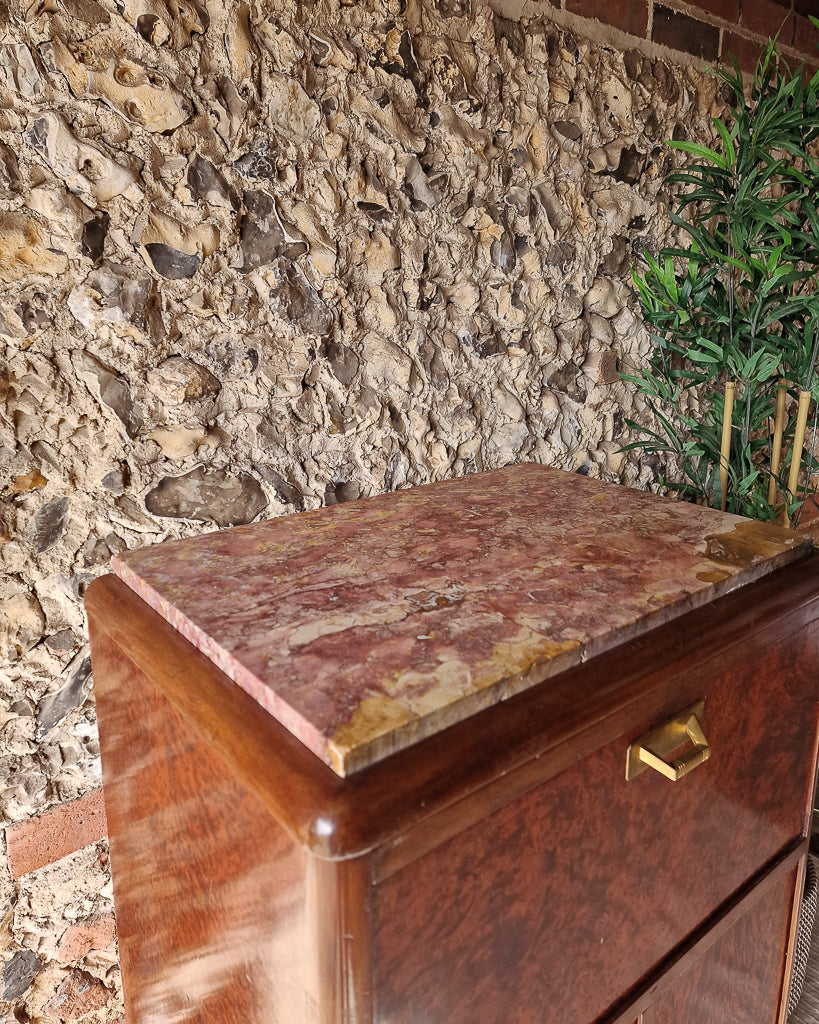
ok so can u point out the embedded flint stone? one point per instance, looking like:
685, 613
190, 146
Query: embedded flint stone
401, 61
561, 254
9, 168
111, 389
502, 250
208, 496
299, 302
343, 362
569, 130
171, 263
20, 70
54, 707
87, 11
177, 380
111, 294
258, 162
486, 344
322, 49
93, 237
416, 183
48, 525
569, 381
262, 236
18, 974
375, 211
512, 33
208, 184
286, 491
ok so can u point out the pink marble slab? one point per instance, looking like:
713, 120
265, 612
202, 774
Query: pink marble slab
367, 626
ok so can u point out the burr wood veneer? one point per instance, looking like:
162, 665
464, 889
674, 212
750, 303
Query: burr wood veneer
496, 866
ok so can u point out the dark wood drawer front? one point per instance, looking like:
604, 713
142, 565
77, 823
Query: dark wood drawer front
566, 897
739, 980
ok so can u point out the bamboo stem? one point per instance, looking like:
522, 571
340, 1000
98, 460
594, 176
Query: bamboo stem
776, 445
725, 450
798, 445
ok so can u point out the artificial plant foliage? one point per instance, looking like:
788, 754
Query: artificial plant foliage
740, 303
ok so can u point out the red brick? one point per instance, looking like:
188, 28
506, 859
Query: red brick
77, 995
79, 939
806, 36
681, 32
65, 829
628, 15
767, 19
746, 51
728, 10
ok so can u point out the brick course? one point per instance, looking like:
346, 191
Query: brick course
806, 36
628, 15
685, 33
710, 30
766, 18
728, 10
746, 51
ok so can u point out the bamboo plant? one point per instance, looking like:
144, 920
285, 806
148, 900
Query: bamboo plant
736, 312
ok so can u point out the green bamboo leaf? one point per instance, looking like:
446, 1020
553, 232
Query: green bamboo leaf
727, 141
703, 152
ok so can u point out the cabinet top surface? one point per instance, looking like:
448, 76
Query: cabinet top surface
367, 626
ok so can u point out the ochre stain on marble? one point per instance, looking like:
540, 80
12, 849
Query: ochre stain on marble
366, 626
748, 543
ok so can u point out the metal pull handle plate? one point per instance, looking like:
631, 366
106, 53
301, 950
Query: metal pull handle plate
654, 750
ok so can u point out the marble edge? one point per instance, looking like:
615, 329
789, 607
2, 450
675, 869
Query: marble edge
346, 761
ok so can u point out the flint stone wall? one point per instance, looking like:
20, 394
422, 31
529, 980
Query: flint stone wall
257, 258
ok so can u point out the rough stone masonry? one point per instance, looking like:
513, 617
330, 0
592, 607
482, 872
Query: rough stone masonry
260, 257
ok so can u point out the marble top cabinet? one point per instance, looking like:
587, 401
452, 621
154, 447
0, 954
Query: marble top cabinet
410, 760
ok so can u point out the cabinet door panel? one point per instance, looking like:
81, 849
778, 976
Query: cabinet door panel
739, 979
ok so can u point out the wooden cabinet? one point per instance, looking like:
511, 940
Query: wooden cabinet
458, 846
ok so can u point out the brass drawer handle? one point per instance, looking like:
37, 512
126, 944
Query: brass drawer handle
653, 749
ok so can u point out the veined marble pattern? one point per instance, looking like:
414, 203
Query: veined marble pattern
364, 627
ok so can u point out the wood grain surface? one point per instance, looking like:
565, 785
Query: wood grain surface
741, 978
209, 890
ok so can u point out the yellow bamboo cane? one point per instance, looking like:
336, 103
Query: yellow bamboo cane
725, 450
776, 444
798, 445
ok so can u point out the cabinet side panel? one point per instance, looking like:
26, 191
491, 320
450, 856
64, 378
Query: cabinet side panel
740, 978
561, 902
209, 890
